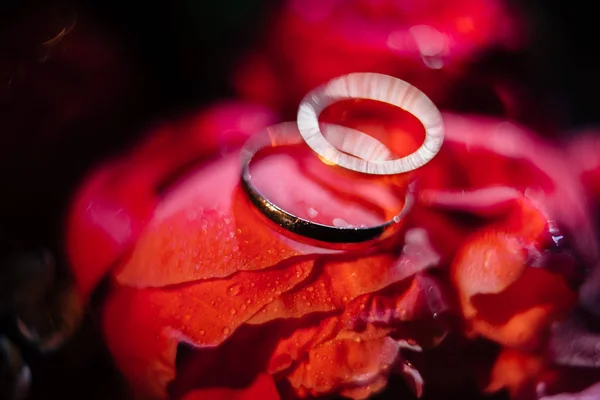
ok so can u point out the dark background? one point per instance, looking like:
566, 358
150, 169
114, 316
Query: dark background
179, 56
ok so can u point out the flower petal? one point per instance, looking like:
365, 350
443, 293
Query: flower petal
516, 372
205, 227
339, 280
202, 314
112, 207
339, 363
262, 388
591, 393
521, 316
575, 343
489, 263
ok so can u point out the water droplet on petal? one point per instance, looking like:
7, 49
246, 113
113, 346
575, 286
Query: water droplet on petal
234, 289
233, 311
226, 331
202, 332
310, 289
340, 223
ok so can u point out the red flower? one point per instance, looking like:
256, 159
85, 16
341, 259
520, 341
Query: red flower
207, 300
423, 42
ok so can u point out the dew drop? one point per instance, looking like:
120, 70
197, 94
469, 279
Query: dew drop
238, 231
340, 223
233, 311
310, 289
226, 331
344, 299
248, 301
234, 289
243, 306
202, 332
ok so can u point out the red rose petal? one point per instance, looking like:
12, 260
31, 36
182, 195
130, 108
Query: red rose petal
521, 315
584, 154
516, 372
111, 208
104, 221
262, 388
476, 147
489, 263
423, 299
206, 228
201, 314
293, 347
345, 362
203, 235
339, 280
423, 43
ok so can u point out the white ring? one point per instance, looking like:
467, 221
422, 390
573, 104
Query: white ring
378, 87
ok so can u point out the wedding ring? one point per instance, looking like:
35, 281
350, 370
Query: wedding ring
378, 87
326, 236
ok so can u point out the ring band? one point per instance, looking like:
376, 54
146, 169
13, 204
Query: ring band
327, 236
378, 87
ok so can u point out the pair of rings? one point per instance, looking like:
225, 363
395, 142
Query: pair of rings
349, 149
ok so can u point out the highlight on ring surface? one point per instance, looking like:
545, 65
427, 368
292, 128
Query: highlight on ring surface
377, 87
